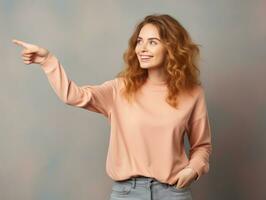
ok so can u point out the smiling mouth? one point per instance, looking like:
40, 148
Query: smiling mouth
145, 59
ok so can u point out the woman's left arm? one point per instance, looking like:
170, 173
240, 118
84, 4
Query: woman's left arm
199, 135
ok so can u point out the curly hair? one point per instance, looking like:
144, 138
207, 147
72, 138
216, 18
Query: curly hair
181, 62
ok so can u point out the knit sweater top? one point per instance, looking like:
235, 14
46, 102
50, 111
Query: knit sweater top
146, 136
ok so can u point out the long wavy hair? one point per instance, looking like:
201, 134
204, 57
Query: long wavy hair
181, 62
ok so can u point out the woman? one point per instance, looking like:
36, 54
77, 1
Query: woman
150, 104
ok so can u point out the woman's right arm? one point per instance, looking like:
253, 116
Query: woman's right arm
96, 98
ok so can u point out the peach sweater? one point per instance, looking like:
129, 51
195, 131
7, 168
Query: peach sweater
147, 137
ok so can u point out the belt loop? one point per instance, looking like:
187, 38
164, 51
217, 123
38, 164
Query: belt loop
150, 180
133, 182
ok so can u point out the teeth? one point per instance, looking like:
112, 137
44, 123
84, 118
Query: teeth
145, 56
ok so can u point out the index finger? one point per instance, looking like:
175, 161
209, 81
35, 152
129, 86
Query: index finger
20, 43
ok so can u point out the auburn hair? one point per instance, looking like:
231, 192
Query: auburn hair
181, 64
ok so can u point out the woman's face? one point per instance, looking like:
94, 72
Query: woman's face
149, 49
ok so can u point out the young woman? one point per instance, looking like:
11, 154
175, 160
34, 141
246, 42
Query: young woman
150, 104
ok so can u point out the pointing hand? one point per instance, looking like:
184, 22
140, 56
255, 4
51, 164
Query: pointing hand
32, 53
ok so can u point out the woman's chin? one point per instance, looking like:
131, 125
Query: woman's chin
145, 66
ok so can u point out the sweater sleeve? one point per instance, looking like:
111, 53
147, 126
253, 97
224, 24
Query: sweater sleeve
199, 135
96, 98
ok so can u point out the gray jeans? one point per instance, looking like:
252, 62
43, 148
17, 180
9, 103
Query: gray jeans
146, 188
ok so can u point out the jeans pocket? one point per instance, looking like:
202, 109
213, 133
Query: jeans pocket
121, 188
178, 190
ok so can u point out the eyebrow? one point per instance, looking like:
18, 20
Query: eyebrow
150, 38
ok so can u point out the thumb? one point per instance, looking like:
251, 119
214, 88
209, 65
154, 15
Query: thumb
178, 175
177, 178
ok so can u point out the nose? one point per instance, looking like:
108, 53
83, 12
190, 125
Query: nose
143, 47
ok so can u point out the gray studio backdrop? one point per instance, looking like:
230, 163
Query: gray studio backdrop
52, 151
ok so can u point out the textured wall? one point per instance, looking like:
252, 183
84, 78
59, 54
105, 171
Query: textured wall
51, 151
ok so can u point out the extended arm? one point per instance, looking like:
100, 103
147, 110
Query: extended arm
97, 98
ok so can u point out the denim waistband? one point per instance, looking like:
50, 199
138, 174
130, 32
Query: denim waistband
142, 181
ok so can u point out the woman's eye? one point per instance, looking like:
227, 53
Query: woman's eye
151, 42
